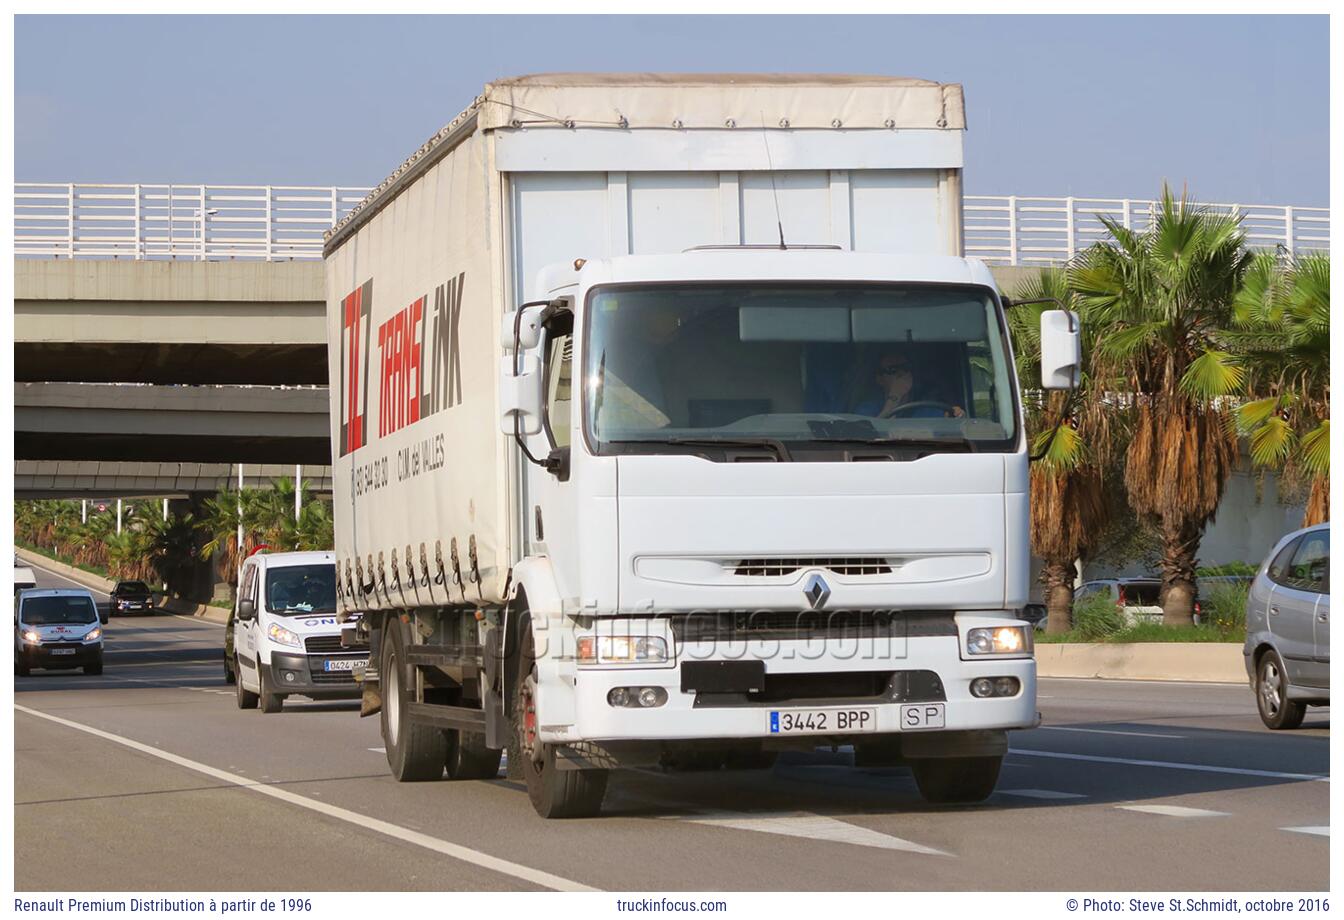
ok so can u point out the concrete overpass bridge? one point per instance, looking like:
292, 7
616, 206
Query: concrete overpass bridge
125, 479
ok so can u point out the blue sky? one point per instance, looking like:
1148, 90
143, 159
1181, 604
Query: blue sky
1235, 106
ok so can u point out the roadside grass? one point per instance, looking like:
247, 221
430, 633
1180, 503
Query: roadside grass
1097, 619
1150, 632
43, 551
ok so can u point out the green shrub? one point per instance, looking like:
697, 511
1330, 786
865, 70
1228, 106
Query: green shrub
1225, 607
1227, 568
1096, 617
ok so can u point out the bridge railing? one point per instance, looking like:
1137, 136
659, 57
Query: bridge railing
279, 223
185, 222
1018, 230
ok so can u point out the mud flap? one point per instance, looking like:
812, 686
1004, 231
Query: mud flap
497, 728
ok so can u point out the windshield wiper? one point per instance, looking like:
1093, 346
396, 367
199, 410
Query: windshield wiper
964, 444
773, 444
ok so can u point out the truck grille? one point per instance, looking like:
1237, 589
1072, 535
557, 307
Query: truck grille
840, 565
727, 626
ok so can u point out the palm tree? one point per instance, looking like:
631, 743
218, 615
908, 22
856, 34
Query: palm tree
1163, 296
1068, 508
1282, 332
219, 522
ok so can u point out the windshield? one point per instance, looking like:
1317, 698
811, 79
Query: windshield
44, 611
301, 588
132, 587
797, 363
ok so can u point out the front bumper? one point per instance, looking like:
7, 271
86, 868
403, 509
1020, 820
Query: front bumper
306, 675
49, 657
694, 715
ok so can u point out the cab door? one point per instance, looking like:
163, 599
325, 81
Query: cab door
245, 631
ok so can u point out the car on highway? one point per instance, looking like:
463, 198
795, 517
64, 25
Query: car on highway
1288, 628
284, 636
24, 578
132, 597
57, 628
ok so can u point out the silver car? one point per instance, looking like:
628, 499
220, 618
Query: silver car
1288, 628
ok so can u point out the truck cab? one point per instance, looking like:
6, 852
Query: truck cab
781, 497
285, 636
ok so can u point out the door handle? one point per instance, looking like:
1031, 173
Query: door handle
1274, 611
1323, 617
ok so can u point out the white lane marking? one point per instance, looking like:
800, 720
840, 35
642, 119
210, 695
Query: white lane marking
1105, 731
1171, 765
381, 750
1317, 831
196, 619
452, 850
811, 827
1040, 794
1174, 811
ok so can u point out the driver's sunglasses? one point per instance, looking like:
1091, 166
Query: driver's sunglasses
892, 370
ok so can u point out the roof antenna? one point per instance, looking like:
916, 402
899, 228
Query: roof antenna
779, 221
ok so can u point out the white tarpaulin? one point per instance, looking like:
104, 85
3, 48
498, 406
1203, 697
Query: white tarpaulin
651, 100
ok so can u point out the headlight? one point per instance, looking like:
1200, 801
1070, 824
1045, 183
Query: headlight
281, 636
622, 650
999, 640
95, 633
30, 635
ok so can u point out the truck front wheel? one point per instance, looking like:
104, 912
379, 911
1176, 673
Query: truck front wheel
947, 780
555, 793
415, 751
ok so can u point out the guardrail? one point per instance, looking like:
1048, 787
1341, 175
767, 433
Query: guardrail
184, 222
1017, 230
280, 223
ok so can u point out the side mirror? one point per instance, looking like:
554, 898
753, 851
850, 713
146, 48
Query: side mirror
520, 395
526, 322
247, 609
1061, 350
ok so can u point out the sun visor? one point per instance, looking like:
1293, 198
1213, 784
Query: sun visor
962, 321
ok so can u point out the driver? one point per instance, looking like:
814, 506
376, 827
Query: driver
899, 396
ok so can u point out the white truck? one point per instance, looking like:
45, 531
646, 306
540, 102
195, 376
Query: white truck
669, 422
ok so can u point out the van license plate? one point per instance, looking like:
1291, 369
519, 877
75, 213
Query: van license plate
822, 721
920, 716
344, 664
62, 651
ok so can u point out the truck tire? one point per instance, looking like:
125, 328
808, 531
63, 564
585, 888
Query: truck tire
269, 699
94, 668
468, 757
415, 752
947, 780
554, 793
246, 698
21, 668
229, 676
1271, 695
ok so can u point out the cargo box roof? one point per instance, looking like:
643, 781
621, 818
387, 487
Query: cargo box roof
624, 101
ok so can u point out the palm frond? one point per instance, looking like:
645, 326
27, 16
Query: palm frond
1212, 374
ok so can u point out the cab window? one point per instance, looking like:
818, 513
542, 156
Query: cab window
559, 391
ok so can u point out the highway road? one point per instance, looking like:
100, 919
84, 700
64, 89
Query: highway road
150, 778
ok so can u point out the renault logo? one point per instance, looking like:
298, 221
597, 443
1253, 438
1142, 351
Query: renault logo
816, 591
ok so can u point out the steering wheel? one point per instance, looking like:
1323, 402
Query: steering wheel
901, 411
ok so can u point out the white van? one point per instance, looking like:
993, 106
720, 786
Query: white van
285, 635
